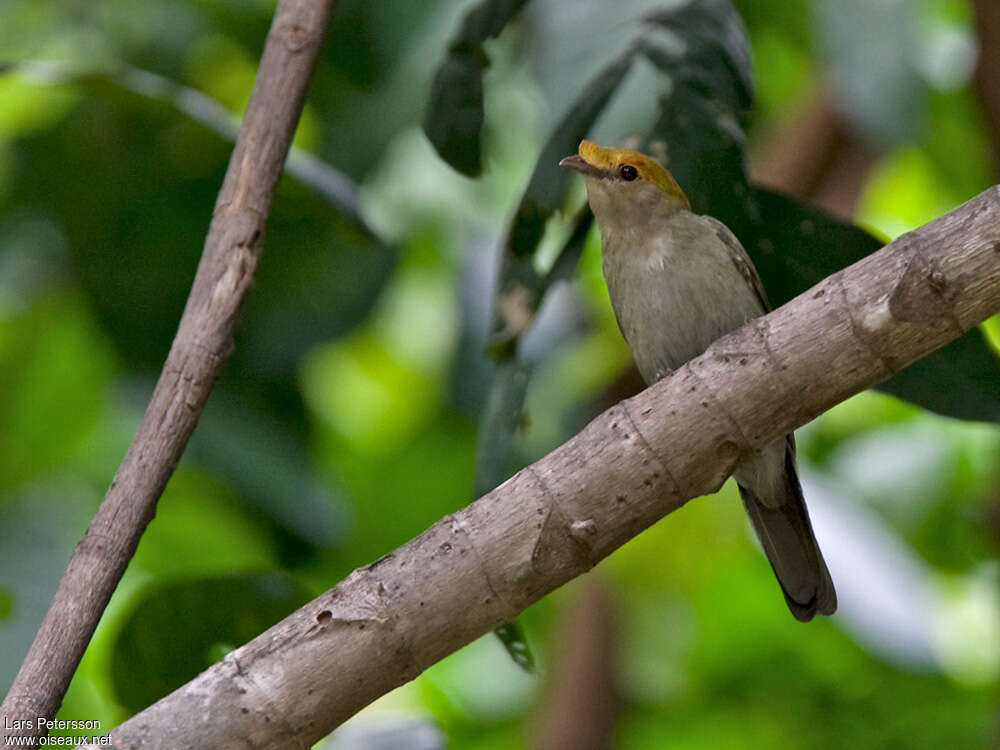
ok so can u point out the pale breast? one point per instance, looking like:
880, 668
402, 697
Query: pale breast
677, 292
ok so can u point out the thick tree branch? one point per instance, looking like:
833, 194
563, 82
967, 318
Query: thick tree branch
635, 463
203, 341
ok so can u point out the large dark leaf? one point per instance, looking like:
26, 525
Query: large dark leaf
454, 116
795, 246
499, 423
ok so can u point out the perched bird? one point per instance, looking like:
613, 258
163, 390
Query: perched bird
678, 281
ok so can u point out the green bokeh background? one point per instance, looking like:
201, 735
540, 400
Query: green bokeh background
346, 421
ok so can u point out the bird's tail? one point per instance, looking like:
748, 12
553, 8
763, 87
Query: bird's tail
786, 534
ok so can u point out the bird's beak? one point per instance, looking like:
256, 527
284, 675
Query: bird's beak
581, 165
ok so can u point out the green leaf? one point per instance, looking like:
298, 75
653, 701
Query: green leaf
512, 636
795, 245
454, 117
178, 630
714, 54
499, 422
54, 367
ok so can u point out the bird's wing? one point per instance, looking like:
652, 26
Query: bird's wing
740, 258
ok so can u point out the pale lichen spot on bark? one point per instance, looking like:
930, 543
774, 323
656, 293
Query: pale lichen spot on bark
224, 288
246, 178
227, 288
878, 318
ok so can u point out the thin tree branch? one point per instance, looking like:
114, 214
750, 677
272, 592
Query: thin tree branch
203, 341
638, 461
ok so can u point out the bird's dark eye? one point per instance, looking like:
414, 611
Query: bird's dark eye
628, 172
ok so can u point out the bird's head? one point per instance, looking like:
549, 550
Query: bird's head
626, 187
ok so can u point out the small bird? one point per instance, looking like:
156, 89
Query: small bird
678, 281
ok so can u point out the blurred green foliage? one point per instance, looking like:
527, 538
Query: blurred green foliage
347, 419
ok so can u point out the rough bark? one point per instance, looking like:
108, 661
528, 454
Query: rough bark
203, 341
636, 462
